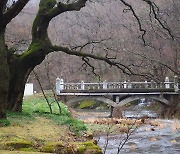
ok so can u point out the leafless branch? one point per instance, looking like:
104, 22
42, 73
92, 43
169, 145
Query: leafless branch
93, 56
156, 61
61, 7
14, 10
107, 137
52, 87
154, 7
128, 134
125, 69
89, 43
39, 82
137, 18
86, 62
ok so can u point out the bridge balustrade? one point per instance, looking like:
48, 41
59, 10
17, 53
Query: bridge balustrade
60, 85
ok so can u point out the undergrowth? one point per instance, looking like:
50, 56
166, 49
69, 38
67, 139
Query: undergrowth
4, 122
34, 106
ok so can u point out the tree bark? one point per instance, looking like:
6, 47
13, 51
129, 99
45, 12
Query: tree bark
15, 69
20, 68
4, 75
16, 90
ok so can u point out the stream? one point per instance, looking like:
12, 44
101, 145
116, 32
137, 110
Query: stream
163, 138
147, 139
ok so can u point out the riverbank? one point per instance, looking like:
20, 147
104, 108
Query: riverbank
36, 131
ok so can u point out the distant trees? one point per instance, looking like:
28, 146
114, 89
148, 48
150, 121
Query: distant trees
118, 37
94, 34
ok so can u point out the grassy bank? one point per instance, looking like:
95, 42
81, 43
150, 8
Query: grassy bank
36, 130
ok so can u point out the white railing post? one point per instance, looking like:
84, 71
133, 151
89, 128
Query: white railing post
105, 84
129, 84
57, 86
176, 88
117, 99
125, 84
152, 84
146, 84
61, 84
167, 85
82, 85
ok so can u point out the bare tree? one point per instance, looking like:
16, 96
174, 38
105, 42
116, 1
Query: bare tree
15, 68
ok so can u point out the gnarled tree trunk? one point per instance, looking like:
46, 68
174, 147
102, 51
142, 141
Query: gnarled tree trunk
4, 75
20, 72
15, 69
16, 90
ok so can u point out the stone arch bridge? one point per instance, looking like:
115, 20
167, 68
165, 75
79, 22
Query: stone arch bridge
119, 93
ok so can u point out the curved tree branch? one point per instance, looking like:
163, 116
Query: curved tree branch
2, 6
137, 18
86, 63
157, 62
153, 8
14, 10
81, 47
61, 7
125, 69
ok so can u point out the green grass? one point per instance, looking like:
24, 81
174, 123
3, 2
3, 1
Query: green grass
74, 125
34, 106
4, 122
90, 104
37, 104
20, 117
86, 104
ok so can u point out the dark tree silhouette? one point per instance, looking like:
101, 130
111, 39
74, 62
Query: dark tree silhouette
15, 68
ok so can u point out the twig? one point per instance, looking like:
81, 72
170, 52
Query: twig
39, 82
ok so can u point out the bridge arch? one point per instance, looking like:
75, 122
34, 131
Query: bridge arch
102, 99
121, 103
137, 97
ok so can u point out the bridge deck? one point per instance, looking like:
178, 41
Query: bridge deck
116, 88
96, 92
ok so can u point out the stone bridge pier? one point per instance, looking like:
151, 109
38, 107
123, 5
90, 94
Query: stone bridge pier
171, 109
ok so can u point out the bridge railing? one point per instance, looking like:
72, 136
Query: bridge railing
60, 85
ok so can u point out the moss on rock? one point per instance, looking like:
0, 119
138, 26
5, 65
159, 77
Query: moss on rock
48, 148
88, 147
30, 149
54, 147
17, 144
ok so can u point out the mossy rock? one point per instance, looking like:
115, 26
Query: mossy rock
57, 148
88, 147
78, 148
48, 148
65, 149
30, 149
17, 144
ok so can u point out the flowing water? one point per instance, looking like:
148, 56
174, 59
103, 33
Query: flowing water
163, 138
147, 139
